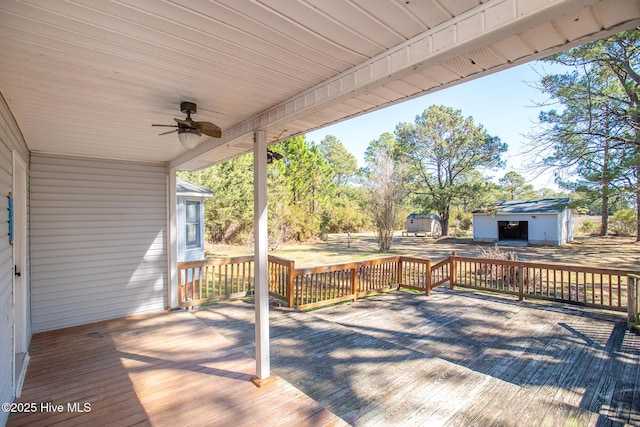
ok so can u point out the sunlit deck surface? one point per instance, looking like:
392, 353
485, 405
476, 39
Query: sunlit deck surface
155, 369
455, 358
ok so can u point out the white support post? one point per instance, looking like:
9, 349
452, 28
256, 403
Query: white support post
172, 240
261, 258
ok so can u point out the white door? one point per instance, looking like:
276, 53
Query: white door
20, 279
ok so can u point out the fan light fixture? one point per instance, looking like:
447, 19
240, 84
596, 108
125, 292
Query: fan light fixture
189, 137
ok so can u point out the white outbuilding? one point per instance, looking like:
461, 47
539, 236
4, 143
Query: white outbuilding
423, 224
537, 222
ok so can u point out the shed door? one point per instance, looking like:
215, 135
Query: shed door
513, 230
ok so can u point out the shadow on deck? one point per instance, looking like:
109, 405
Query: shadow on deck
455, 358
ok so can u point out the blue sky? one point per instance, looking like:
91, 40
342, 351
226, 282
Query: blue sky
502, 102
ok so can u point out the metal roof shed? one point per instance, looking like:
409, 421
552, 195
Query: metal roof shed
538, 222
427, 224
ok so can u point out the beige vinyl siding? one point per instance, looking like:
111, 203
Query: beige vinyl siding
10, 139
98, 232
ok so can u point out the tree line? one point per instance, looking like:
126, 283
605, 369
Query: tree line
589, 136
318, 188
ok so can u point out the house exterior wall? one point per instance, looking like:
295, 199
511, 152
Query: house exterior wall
11, 143
184, 253
98, 235
543, 228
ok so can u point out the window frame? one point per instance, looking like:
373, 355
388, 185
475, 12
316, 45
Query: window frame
197, 243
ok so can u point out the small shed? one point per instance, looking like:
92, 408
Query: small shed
190, 213
425, 224
539, 222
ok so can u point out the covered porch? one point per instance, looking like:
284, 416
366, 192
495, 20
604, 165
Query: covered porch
93, 232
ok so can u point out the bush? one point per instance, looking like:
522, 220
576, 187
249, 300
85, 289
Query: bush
457, 232
624, 223
461, 220
589, 227
343, 219
495, 252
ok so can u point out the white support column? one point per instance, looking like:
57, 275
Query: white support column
261, 258
172, 240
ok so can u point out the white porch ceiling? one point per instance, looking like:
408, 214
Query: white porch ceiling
89, 77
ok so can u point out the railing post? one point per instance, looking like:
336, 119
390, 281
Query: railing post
428, 281
452, 270
400, 277
290, 281
633, 295
354, 283
181, 290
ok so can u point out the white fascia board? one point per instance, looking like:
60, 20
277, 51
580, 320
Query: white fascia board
195, 195
487, 23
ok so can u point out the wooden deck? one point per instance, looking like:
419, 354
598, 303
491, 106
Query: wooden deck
456, 358
155, 369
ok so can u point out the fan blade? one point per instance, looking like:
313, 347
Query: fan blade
185, 123
171, 131
209, 129
167, 126
274, 155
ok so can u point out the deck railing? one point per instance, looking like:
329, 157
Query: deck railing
415, 273
317, 286
222, 278
325, 285
588, 286
441, 272
214, 279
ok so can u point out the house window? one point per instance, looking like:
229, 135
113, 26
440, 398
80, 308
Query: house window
192, 223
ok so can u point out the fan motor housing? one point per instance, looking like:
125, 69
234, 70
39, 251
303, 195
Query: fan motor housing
188, 107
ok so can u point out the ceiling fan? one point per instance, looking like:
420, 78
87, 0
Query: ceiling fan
272, 156
189, 131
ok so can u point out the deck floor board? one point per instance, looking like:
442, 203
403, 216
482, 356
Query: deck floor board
454, 358
156, 369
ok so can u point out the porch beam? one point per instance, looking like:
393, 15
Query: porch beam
261, 257
490, 22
